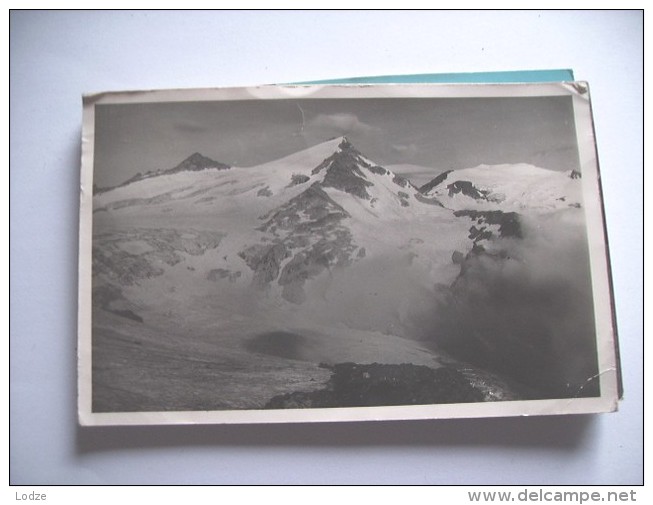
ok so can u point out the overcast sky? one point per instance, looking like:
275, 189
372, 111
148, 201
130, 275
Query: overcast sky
440, 133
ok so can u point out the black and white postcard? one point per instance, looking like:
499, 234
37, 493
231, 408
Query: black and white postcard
334, 253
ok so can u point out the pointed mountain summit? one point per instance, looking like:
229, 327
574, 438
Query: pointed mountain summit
343, 170
196, 162
349, 171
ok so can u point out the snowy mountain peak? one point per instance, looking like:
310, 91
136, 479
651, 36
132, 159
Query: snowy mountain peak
516, 187
344, 143
343, 170
196, 162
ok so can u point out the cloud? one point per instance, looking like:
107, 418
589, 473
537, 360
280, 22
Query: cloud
527, 315
342, 123
407, 151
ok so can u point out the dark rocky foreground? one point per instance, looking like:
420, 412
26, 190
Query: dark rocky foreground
354, 385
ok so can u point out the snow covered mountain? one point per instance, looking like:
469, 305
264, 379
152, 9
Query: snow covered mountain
288, 226
516, 187
195, 162
321, 256
293, 220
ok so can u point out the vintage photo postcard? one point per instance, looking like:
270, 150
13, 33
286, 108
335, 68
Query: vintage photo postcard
342, 252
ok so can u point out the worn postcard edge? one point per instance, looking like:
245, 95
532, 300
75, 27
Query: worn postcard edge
606, 333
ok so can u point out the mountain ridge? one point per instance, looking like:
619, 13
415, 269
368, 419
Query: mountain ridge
513, 187
193, 163
291, 220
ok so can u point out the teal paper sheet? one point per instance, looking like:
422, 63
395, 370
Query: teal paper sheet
558, 75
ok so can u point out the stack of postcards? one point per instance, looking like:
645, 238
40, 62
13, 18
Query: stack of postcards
349, 251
